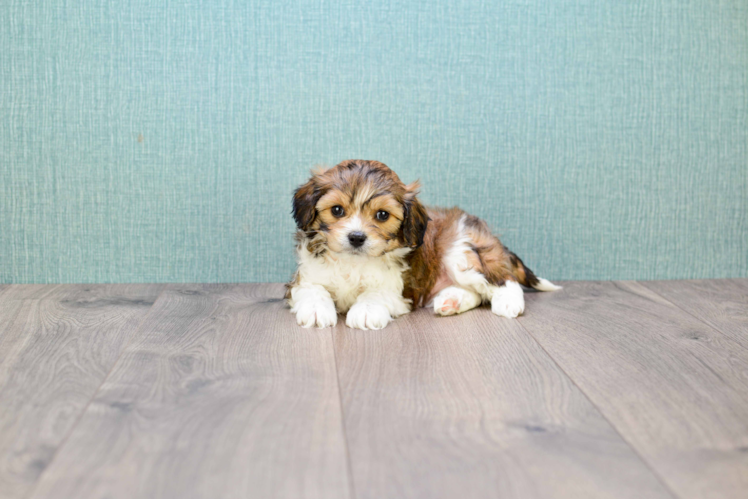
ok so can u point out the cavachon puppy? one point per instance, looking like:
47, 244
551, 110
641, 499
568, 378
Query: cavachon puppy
367, 247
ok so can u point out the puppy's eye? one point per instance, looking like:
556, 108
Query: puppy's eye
337, 211
382, 216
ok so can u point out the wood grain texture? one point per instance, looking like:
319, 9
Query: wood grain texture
78, 292
221, 395
721, 304
470, 406
675, 388
57, 346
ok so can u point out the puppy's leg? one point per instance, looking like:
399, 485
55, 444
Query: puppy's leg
459, 264
478, 261
508, 300
455, 300
313, 306
375, 309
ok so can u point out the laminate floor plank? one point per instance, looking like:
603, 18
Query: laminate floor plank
721, 304
471, 406
221, 395
91, 294
675, 388
56, 348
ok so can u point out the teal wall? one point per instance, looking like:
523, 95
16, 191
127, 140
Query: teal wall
161, 141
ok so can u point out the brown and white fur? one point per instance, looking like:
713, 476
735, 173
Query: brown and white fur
367, 248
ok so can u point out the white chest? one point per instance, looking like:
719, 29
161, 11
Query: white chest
348, 276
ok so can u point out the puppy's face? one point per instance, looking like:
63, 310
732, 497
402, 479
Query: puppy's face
359, 207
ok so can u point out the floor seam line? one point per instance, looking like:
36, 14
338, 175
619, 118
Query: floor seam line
349, 462
649, 466
93, 396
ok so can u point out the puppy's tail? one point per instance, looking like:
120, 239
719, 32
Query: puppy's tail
527, 278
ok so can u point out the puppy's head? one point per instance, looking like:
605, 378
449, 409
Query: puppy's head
359, 207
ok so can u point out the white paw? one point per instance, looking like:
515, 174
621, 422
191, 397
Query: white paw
368, 316
319, 313
508, 300
454, 300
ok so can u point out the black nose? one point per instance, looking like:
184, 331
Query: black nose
357, 239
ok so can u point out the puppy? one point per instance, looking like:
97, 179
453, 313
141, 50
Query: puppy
367, 248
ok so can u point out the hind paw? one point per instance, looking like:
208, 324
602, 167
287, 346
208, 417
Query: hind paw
508, 300
454, 300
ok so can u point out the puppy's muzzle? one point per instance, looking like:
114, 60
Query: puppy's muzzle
356, 238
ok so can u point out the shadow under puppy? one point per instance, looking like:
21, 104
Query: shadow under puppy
367, 247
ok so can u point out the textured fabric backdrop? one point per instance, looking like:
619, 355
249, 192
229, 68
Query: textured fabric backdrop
161, 141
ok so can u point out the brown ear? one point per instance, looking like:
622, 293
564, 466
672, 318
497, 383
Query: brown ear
415, 218
305, 199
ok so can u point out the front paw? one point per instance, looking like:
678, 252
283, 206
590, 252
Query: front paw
368, 316
317, 313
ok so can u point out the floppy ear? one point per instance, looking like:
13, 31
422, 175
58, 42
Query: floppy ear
305, 199
415, 217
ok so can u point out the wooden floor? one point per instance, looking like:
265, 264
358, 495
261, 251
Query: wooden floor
603, 389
